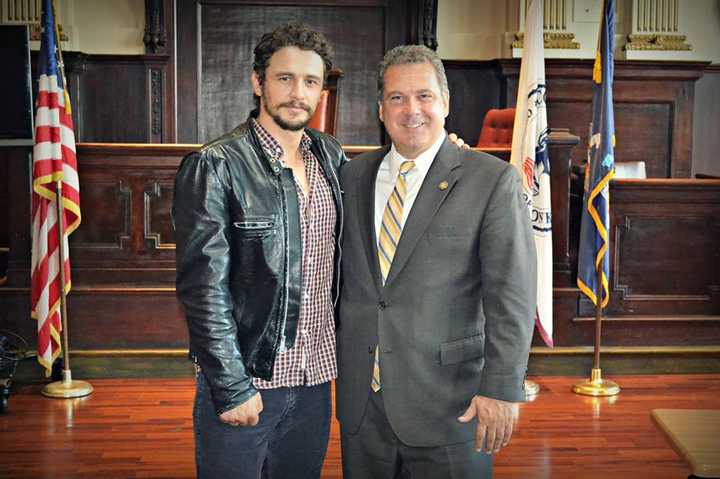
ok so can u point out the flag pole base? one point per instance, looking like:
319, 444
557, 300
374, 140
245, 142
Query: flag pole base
596, 386
67, 388
531, 388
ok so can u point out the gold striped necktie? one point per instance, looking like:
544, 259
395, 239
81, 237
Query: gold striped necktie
390, 231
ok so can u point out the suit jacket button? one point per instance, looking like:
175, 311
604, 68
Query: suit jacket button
382, 305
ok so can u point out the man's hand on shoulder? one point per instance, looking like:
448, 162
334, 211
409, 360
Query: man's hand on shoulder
496, 420
458, 141
246, 414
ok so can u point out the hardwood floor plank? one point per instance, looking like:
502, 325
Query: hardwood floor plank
142, 428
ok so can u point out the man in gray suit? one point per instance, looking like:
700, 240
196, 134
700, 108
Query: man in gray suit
438, 294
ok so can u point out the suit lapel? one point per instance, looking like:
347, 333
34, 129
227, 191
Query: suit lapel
366, 212
426, 205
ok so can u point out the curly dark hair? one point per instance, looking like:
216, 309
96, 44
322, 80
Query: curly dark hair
291, 35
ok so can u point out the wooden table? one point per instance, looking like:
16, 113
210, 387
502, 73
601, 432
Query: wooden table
695, 436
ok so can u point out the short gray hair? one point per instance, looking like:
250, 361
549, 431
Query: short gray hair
411, 54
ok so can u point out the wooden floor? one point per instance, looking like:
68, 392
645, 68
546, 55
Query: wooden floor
142, 428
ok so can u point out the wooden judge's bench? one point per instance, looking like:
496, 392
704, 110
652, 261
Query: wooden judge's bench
664, 311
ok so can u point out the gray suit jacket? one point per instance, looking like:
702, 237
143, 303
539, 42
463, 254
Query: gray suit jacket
455, 316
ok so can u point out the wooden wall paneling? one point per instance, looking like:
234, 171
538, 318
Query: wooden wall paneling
168, 66
673, 220
229, 32
120, 98
17, 161
122, 255
145, 174
15, 294
105, 319
112, 99
665, 277
653, 109
4, 201
216, 39
126, 319
475, 88
665, 265
706, 124
188, 70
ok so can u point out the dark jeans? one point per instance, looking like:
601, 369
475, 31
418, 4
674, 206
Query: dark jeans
290, 440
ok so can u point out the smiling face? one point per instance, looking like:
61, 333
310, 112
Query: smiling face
291, 89
413, 107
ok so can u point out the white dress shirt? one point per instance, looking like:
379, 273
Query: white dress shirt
387, 176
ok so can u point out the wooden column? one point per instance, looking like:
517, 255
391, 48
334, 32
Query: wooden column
561, 145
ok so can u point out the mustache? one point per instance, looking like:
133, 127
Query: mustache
291, 104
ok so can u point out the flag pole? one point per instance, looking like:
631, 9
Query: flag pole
596, 385
67, 388
532, 389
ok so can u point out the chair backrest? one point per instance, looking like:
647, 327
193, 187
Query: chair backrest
497, 129
319, 121
325, 117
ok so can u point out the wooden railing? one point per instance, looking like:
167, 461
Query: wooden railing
665, 254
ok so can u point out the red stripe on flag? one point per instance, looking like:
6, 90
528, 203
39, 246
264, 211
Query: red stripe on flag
47, 134
48, 99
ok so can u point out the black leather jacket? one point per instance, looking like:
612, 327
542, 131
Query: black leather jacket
239, 256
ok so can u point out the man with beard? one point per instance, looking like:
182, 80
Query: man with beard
258, 215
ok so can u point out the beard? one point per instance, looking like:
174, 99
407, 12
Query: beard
289, 125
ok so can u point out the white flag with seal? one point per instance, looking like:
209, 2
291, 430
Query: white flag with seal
530, 157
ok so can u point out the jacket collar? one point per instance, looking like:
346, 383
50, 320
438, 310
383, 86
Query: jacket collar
438, 183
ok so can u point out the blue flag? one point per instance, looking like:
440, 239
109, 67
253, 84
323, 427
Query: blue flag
593, 252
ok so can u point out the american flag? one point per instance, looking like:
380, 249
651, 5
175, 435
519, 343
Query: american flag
53, 159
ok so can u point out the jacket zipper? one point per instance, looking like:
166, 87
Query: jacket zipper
339, 240
286, 281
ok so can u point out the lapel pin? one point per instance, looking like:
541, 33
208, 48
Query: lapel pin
443, 185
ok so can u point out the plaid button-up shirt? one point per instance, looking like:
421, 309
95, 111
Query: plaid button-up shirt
312, 359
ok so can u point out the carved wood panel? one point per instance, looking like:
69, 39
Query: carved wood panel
106, 207
665, 248
683, 279
157, 223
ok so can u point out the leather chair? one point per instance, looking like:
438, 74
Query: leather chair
325, 117
497, 129
319, 121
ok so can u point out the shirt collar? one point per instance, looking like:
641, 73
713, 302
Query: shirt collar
422, 162
271, 146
